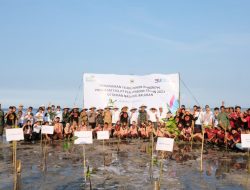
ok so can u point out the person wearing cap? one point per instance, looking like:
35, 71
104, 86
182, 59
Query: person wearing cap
143, 116
115, 115
133, 116
92, 117
153, 117
1, 120
84, 116
107, 116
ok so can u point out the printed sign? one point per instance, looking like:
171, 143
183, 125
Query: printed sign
165, 144
47, 129
83, 137
154, 90
102, 135
245, 140
14, 134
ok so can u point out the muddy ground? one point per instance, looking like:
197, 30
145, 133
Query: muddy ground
125, 165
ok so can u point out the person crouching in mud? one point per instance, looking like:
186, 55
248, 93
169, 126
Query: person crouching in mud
133, 131
58, 129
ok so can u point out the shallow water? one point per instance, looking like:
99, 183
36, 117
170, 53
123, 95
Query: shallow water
127, 165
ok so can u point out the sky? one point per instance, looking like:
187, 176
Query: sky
46, 46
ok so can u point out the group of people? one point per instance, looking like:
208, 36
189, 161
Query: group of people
221, 126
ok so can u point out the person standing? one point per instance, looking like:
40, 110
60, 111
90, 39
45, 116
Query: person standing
65, 116
115, 115
107, 116
1, 120
92, 117
10, 118
223, 118
152, 116
143, 116
133, 116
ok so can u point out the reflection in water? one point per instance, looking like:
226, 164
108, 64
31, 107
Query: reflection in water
60, 166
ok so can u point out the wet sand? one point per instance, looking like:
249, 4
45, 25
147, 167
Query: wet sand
127, 165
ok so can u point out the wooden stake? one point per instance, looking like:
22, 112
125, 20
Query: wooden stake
84, 163
161, 169
202, 148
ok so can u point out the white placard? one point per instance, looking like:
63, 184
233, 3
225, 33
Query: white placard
83, 137
14, 134
154, 90
165, 144
37, 128
102, 135
47, 129
245, 140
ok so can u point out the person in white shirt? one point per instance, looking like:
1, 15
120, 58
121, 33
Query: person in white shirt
39, 115
133, 116
161, 114
152, 116
115, 115
198, 118
59, 113
208, 117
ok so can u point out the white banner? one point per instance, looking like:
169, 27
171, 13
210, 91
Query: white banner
15, 134
155, 90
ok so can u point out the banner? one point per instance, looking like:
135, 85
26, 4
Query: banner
155, 90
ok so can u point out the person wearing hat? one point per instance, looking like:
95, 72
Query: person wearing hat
92, 117
100, 117
1, 120
124, 115
153, 117
84, 116
115, 115
74, 116
133, 116
108, 116
143, 115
